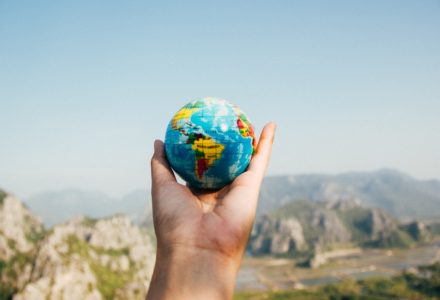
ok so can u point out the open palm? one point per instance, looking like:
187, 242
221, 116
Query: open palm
215, 221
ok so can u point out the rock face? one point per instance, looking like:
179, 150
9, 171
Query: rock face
378, 222
81, 259
20, 233
19, 229
334, 231
277, 236
86, 259
417, 230
313, 228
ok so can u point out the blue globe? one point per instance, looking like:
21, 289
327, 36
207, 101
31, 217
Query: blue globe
209, 142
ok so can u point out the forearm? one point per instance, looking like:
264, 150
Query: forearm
193, 274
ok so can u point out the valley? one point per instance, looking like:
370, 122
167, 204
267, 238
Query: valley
272, 274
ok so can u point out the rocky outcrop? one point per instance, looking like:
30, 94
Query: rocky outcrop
277, 236
417, 230
81, 259
378, 223
334, 231
86, 259
20, 233
19, 229
307, 227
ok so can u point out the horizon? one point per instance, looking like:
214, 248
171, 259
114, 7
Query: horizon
147, 188
87, 87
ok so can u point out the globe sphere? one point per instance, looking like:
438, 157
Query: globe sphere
209, 142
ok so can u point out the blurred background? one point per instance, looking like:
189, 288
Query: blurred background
351, 202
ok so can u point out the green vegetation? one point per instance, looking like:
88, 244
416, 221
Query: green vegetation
421, 284
34, 236
77, 246
108, 281
282, 295
357, 221
9, 271
3, 195
15, 265
434, 228
392, 239
82, 248
89, 222
6, 291
11, 243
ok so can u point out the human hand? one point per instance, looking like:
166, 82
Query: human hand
202, 235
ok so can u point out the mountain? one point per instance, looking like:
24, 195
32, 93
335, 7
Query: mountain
20, 233
91, 259
307, 227
83, 258
397, 193
55, 207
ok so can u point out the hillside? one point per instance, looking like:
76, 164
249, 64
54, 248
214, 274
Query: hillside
82, 258
309, 228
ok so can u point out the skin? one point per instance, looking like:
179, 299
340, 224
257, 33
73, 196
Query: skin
202, 235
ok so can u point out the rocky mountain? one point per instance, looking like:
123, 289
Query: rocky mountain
82, 258
304, 227
397, 193
20, 233
56, 207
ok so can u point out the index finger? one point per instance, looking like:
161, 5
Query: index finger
260, 161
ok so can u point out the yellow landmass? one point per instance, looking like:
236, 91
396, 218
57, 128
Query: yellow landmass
210, 151
184, 113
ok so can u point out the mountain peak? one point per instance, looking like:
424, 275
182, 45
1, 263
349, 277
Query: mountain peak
19, 229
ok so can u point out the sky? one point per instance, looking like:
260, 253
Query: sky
86, 86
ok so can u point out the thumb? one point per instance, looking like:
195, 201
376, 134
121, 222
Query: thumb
160, 169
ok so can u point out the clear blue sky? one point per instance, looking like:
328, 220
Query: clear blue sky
86, 86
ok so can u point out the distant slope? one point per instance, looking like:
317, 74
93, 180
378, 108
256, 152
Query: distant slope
57, 206
309, 225
399, 194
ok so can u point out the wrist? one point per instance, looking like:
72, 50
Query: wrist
193, 273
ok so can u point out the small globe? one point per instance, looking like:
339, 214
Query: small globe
209, 142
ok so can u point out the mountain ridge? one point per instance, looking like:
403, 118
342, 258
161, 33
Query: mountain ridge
398, 193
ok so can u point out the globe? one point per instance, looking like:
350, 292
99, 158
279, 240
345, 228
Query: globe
209, 142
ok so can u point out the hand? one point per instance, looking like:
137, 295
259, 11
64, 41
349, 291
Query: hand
202, 235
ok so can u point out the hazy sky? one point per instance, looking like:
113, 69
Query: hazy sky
86, 86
